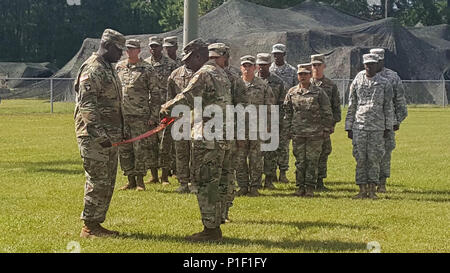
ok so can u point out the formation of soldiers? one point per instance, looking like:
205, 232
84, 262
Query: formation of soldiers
125, 101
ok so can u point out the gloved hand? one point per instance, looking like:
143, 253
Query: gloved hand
396, 127
350, 134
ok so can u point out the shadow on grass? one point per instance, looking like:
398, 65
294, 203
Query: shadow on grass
307, 245
64, 167
307, 224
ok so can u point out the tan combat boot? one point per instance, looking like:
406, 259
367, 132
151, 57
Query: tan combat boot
372, 190
94, 230
242, 191
208, 234
140, 183
283, 178
309, 191
131, 183
320, 186
154, 178
268, 182
165, 176
382, 186
362, 192
253, 192
300, 192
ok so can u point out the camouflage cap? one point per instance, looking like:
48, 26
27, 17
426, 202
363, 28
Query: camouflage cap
370, 58
170, 41
133, 43
218, 49
279, 48
379, 52
248, 59
193, 46
304, 68
154, 40
115, 37
263, 58
318, 59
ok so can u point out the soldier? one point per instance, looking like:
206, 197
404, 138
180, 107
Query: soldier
177, 82
274, 158
170, 45
211, 158
369, 120
308, 120
98, 124
256, 92
400, 113
141, 93
319, 79
289, 76
164, 66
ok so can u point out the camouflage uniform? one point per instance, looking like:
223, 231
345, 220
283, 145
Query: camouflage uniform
98, 118
330, 88
257, 92
211, 159
400, 113
177, 81
164, 67
307, 119
141, 93
370, 113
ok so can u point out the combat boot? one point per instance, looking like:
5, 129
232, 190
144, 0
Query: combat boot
283, 178
154, 178
94, 230
208, 234
309, 191
382, 186
183, 188
372, 189
242, 191
165, 176
362, 192
131, 183
140, 183
300, 192
253, 192
320, 186
268, 182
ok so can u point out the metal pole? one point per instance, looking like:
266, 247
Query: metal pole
443, 92
386, 9
343, 93
190, 27
51, 94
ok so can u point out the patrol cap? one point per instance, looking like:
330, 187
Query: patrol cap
263, 58
193, 46
154, 40
248, 59
170, 41
133, 43
218, 49
114, 37
370, 58
304, 68
279, 48
379, 52
318, 59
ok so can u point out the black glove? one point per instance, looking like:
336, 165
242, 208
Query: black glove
106, 144
350, 134
396, 127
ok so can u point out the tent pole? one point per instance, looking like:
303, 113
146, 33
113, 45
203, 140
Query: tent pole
190, 27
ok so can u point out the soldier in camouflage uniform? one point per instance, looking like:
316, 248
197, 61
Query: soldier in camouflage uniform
164, 66
272, 159
400, 113
211, 158
170, 45
319, 79
177, 82
98, 124
308, 120
141, 93
370, 118
288, 74
257, 92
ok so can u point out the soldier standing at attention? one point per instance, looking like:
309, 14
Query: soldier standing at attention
98, 124
289, 76
141, 102
400, 113
308, 120
256, 92
177, 82
319, 79
369, 120
274, 158
164, 66
210, 158
170, 45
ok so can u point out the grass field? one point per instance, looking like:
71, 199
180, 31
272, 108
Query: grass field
42, 181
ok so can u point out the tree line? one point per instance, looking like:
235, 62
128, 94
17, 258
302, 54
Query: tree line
53, 30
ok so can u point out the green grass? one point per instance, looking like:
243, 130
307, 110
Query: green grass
42, 180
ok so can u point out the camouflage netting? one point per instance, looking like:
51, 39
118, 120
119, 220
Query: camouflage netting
310, 28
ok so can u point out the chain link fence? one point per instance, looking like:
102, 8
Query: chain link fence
418, 92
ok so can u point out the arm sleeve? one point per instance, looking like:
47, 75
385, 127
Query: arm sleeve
388, 107
400, 108
335, 104
326, 116
352, 103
